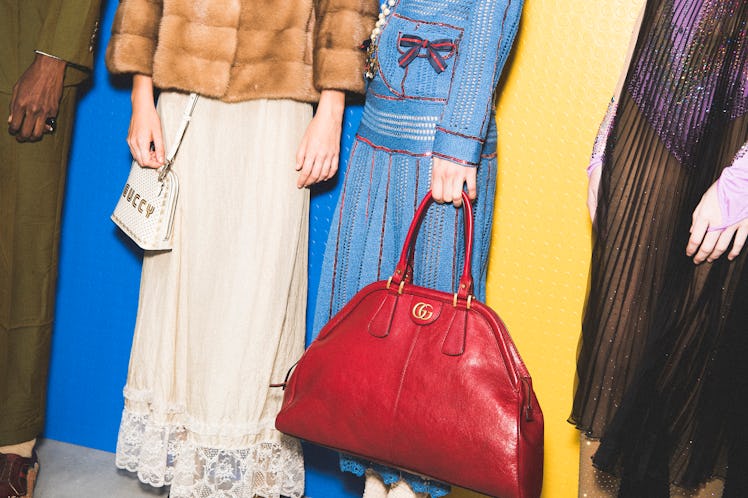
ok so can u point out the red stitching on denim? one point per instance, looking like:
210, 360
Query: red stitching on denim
393, 151
454, 159
432, 23
425, 154
494, 96
450, 132
454, 53
384, 219
337, 238
368, 192
415, 190
405, 97
451, 53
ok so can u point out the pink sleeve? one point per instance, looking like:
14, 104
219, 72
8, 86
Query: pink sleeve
601, 142
732, 189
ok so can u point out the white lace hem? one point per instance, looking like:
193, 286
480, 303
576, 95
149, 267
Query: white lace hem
164, 455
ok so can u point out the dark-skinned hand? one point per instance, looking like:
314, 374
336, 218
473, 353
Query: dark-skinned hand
36, 97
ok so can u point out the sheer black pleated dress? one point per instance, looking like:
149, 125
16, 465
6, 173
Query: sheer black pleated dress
662, 371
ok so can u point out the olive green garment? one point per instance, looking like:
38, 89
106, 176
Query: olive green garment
32, 182
62, 28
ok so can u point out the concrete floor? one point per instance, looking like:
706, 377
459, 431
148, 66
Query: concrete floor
69, 471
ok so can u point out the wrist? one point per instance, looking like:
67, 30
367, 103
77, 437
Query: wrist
595, 165
332, 103
142, 90
457, 148
50, 62
44, 56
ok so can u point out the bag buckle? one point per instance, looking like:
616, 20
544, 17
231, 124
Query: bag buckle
468, 303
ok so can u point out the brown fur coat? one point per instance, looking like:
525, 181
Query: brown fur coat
237, 50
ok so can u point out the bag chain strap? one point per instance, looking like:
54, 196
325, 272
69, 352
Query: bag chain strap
186, 117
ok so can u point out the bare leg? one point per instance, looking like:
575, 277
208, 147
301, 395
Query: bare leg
594, 483
712, 488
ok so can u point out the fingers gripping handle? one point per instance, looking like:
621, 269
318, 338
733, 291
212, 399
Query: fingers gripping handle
404, 266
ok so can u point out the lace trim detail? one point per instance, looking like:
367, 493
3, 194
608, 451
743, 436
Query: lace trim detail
141, 401
164, 455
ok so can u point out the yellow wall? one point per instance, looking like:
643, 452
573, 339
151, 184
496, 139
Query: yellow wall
566, 63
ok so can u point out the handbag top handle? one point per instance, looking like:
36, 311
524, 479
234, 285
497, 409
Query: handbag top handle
404, 267
171, 154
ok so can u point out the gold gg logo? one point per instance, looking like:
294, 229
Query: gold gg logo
423, 311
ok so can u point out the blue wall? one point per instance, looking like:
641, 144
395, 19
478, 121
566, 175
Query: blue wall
100, 276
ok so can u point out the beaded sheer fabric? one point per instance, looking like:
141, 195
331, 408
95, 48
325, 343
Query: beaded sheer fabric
661, 375
594, 483
690, 71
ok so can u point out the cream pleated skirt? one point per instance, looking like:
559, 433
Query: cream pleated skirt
222, 316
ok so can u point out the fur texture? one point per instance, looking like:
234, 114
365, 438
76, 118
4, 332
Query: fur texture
237, 50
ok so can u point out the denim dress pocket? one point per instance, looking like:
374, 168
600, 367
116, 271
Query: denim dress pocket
417, 58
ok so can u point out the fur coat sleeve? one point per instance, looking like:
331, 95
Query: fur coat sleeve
342, 25
237, 50
134, 36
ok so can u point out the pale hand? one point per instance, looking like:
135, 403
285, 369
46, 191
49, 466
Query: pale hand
593, 187
319, 151
145, 125
448, 179
705, 245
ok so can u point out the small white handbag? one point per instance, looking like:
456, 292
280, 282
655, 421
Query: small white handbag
145, 210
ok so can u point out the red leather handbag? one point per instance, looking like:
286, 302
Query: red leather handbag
424, 381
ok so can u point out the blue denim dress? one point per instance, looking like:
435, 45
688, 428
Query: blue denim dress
439, 62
